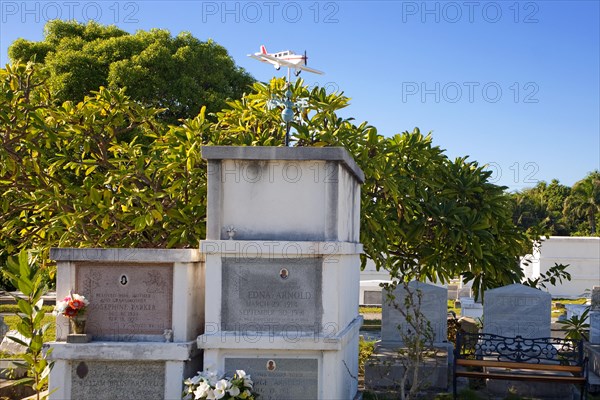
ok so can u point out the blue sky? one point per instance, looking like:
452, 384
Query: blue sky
512, 84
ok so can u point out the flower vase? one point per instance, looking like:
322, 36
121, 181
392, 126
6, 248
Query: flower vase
78, 324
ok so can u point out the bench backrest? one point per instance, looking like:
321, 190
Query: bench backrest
486, 346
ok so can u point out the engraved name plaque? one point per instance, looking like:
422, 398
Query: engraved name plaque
126, 299
271, 294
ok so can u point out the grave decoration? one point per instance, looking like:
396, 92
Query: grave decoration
73, 307
209, 384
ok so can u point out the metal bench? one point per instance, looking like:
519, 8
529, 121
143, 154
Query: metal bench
487, 356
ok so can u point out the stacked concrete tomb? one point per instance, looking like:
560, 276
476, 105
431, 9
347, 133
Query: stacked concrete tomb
146, 310
282, 269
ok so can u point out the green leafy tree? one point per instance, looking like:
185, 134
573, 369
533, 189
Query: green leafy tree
584, 201
179, 74
104, 172
539, 209
78, 174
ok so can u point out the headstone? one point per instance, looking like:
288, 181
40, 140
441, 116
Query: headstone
126, 299
107, 380
517, 310
577, 310
453, 292
467, 301
468, 325
273, 295
595, 327
465, 291
434, 307
10, 346
3, 327
272, 377
372, 297
595, 298
594, 316
469, 308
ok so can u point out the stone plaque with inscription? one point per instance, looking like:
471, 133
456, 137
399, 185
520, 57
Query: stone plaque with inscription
109, 380
126, 299
279, 378
275, 294
372, 297
517, 310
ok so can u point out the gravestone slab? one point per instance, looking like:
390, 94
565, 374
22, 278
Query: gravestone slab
108, 380
595, 306
594, 317
9, 346
434, 306
452, 292
126, 299
279, 378
465, 291
274, 294
517, 310
372, 297
3, 327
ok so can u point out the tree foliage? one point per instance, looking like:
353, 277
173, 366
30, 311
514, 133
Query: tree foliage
103, 172
180, 74
559, 210
584, 201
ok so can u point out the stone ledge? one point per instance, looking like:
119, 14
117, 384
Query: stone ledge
272, 248
122, 351
284, 153
280, 340
126, 255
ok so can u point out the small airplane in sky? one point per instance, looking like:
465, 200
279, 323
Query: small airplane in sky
287, 58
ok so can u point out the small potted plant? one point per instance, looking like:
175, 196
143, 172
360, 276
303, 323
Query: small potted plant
73, 307
211, 385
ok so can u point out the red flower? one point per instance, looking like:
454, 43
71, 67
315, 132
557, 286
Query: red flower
77, 304
70, 312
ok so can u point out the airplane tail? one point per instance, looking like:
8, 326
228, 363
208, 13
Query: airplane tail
263, 49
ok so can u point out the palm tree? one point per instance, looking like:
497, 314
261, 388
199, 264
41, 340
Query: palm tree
584, 200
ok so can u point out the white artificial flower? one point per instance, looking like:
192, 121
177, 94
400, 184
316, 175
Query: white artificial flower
240, 373
233, 391
60, 307
211, 376
194, 380
248, 382
202, 391
210, 395
79, 297
220, 388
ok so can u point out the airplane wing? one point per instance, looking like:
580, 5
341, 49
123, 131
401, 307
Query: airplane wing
274, 60
257, 56
268, 58
305, 68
